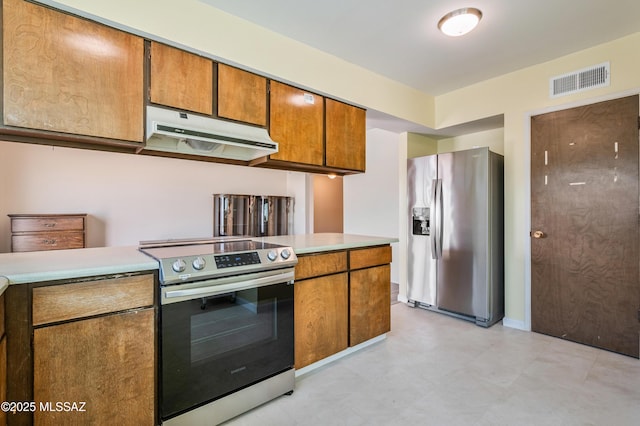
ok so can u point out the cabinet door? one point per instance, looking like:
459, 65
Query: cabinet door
242, 95
321, 315
346, 142
370, 303
66, 74
296, 123
181, 79
107, 362
3, 362
3, 378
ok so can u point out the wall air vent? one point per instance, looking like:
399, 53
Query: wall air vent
581, 80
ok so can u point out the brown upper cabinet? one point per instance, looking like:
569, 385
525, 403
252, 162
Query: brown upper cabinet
345, 136
242, 95
296, 123
315, 134
66, 74
71, 81
181, 79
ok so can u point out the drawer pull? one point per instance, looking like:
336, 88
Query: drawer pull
50, 242
50, 225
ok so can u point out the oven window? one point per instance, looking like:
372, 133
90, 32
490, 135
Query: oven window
230, 323
211, 347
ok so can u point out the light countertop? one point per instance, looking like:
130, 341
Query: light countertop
312, 243
40, 266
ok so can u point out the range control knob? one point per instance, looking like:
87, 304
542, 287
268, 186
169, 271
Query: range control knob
179, 265
199, 263
285, 254
272, 255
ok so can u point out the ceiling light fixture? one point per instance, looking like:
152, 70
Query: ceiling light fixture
460, 21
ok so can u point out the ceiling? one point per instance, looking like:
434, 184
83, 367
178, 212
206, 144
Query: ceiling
400, 39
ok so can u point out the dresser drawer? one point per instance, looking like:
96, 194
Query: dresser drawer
77, 300
35, 232
46, 224
47, 241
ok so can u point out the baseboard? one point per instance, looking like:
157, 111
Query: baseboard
511, 323
304, 370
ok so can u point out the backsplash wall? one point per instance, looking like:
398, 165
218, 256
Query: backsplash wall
129, 198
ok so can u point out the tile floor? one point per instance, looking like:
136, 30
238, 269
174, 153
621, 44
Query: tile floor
436, 370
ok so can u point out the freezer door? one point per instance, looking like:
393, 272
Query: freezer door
462, 282
421, 276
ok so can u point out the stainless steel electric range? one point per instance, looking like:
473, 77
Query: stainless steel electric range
226, 327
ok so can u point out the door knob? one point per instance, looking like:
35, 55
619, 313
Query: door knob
538, 234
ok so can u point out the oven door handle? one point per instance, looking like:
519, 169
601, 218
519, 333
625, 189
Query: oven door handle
212, 290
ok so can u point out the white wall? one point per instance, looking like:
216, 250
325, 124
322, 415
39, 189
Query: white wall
371, 199
129, 197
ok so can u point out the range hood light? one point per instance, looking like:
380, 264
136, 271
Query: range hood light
460, 21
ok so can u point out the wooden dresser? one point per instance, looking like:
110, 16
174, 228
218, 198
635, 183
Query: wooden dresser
33, 232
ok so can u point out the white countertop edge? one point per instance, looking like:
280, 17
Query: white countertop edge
41, 266
312, 243
37, 277
333, 247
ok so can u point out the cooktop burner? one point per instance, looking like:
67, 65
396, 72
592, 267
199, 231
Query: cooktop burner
190, 260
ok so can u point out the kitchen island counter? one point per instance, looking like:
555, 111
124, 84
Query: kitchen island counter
40, 266
314, 243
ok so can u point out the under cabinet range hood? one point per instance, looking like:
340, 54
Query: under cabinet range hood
185, 133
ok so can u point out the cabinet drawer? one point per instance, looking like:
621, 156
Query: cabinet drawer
47, 241
321, 264
69, 301
47, 224
364, 258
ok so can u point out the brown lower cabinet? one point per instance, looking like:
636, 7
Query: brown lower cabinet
3, 362
342, 299
103, 365
369, 303
369, 293
321, 318
83, 351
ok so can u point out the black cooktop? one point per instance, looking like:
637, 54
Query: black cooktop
180, 248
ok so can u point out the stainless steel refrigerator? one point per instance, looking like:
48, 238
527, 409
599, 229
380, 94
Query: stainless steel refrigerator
456, 234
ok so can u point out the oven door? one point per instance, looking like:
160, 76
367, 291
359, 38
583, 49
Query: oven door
213, 343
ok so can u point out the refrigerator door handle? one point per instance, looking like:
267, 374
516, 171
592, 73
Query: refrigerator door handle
434, 219
437, 240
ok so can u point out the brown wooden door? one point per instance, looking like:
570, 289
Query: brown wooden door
242, 95
105, 362
346, 141
67, 74
296, 123
369, 303
181, 79
584, 200
321, 323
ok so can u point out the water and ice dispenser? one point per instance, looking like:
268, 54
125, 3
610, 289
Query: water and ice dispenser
421, 221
